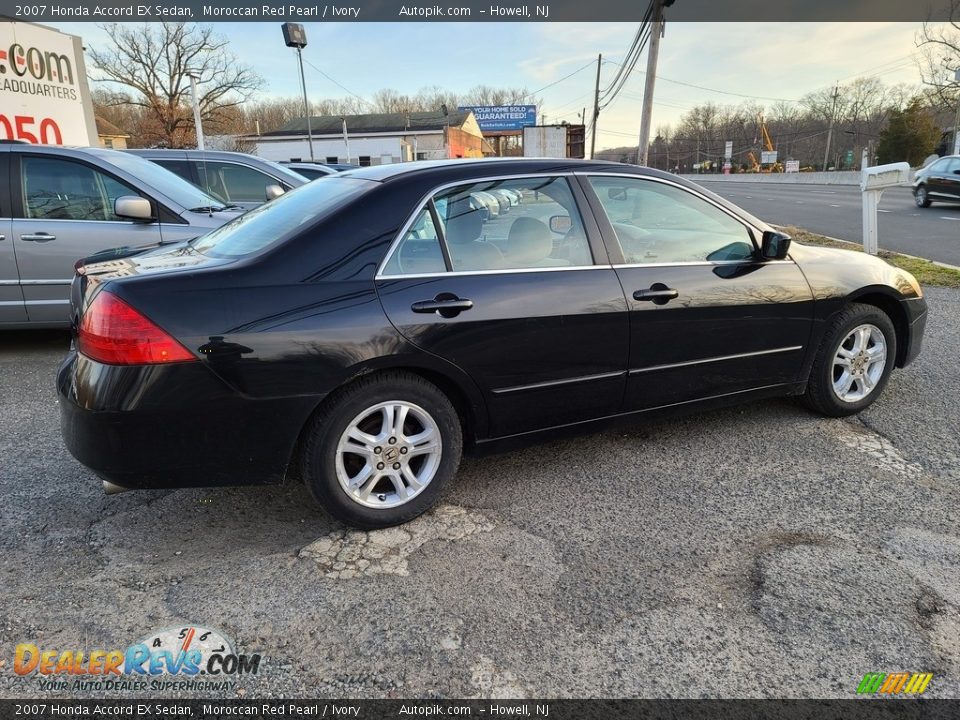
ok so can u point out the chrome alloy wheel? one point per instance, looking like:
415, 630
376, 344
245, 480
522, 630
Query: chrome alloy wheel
921, 196
859, 362
388, 454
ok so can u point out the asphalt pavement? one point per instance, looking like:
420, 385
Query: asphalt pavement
835, 210
759, 551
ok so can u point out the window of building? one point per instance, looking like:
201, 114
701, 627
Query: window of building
364, 161
332, 159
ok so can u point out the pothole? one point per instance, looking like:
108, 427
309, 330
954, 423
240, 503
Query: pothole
349, 554
495, 683
880, 450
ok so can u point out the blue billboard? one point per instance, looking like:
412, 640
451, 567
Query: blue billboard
502, 117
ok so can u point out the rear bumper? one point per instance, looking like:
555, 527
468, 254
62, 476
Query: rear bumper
176, 425
916, 310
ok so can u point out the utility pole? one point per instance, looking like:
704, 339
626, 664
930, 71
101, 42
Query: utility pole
956, 121
596, 109
833, 112
656, 31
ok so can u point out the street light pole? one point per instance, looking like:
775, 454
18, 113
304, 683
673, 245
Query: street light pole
306, 104
196, 111
296, 37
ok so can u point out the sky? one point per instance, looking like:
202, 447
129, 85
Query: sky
774, 60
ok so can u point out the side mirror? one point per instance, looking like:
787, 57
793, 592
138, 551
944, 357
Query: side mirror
775, 245
616, 193
274, 191
560, 224
133, 207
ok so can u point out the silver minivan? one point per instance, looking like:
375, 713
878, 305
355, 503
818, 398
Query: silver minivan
60, 204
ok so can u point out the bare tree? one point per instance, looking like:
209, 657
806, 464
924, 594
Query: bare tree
156, 60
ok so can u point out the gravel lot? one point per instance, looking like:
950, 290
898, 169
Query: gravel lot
753, 552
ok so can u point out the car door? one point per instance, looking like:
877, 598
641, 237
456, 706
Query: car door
63, 211
11, 297
535, 316
707, 317
950, 179
939, 180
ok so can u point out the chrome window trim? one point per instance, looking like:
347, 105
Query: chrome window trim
471, 181
500, 271
718, 358
714, 263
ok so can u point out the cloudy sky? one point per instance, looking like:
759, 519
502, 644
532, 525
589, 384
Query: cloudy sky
782, 60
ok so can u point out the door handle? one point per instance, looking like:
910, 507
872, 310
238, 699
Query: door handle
447, 305
658, 294
38, 237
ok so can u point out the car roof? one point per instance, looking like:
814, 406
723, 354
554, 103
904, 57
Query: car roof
508, 165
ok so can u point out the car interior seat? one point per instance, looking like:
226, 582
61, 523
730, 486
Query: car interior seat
529, 244
463, 229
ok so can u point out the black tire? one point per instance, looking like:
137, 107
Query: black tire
820, 395
318, 457
921, 196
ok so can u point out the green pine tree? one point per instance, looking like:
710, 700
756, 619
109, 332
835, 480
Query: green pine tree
911, 135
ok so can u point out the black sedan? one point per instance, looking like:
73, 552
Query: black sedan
359, 333
940, 181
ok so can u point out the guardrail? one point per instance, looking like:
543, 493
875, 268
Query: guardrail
840, 177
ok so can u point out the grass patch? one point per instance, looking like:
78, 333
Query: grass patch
925, 271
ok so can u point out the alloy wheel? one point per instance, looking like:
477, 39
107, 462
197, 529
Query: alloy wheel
388, 454
859, 362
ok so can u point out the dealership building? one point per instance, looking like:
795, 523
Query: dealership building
375, 139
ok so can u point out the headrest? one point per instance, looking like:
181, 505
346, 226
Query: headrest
464, 223
529, 240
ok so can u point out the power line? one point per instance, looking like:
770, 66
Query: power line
342, 87
556, 82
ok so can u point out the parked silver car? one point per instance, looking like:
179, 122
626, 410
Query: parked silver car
236, 179
63, 204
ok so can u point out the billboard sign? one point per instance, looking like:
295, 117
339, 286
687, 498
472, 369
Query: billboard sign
43, 87
499, 118
791, 166
768, 157
728, 150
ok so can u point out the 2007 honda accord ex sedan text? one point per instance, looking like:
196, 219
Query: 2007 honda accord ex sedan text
358, 333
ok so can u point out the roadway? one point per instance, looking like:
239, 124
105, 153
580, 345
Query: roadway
835, 210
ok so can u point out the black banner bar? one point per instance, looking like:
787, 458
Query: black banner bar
473, 10
306, 709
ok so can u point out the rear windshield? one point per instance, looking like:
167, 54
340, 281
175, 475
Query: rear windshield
279, 219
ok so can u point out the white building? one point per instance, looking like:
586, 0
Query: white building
375, 139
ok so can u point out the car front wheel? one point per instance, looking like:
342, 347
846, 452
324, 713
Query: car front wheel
381, 451
922, 197
854, 362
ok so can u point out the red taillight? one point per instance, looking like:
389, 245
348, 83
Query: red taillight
112, 332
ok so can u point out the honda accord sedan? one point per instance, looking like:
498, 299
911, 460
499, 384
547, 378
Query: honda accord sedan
358, 334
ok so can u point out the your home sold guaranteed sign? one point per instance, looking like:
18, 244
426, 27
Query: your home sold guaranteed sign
44, 97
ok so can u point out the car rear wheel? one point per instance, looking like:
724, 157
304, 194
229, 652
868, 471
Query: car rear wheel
854, 362
382, 450
922, 197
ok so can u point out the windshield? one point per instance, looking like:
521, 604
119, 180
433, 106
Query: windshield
183, 193
278, 219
